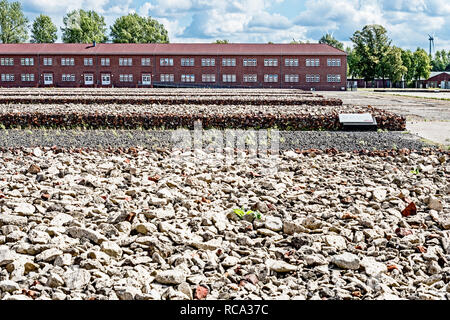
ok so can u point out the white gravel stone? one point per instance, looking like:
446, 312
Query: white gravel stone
49, 255
111, 248
280, 266
8, 286
55, 280
346, 261
337, 242
173, 276
76, 278
6, 255
273, 223
372, 267
26, 209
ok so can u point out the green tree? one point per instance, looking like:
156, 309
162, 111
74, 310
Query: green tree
83, 27
393, 65
43, 31
222, 41
352, 63
133, 28
441, 60
408, 62
330, 40
422, 64
13, 23
371, 44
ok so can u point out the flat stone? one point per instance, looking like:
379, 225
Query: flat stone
291, 227
230, 261
171, 276
7, 219
61, 219
48, 255
379, 195
6, 255
111, 248
55, 280
145, 228
213, 244
346, 261
315, 260
273, 223
25, 209
76, 278
9, 286
92, 235
373, 267
37, 237
435, 204
280, 266
337, 242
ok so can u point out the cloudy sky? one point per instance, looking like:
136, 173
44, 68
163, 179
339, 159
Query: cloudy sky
408, 21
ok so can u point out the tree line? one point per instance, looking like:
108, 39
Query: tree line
372, 57
79, 26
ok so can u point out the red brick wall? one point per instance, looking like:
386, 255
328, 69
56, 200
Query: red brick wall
155, 69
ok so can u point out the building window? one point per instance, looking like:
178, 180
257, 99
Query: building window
27, 77
270, 62
250, 78
166, 62
146, 78
88, 61
104, 61
229, 62
291, 62
270, 78
67, 61
27, 61
7, 61
145, 61
167, 78
208, 62
7, 77
208, 78
291, 78
229, 78
312, 62
334, 78
187, 78
126, 62
48, 61
126, 78
312, 78
187, 62
249, 62
68, 77
334, 62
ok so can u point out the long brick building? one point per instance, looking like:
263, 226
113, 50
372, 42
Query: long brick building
303, 66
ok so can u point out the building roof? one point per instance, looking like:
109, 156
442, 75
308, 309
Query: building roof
170, 49
436, 73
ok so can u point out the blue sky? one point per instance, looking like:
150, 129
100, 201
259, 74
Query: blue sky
408, 21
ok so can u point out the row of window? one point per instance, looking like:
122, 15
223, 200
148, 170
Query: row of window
186, 62
186, 77
250, 78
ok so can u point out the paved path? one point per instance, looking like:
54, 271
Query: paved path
426, 117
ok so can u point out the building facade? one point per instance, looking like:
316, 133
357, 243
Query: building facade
303, 66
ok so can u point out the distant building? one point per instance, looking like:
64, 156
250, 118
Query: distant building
438, 79
303, 66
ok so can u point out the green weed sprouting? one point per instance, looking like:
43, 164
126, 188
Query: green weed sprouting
415, 171
241, 213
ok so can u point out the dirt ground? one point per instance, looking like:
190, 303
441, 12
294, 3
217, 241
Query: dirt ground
427, 117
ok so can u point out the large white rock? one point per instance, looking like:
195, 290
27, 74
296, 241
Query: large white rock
280, 266
337, 242
373, 267
173, 276
379, 194
8, 219
346, 261
8, 286
25, 209
49, 255
92, 235
6, 255
111, 248
76, 278
60, 219
273, 223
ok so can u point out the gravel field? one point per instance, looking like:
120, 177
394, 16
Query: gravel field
79, 138
142, 224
